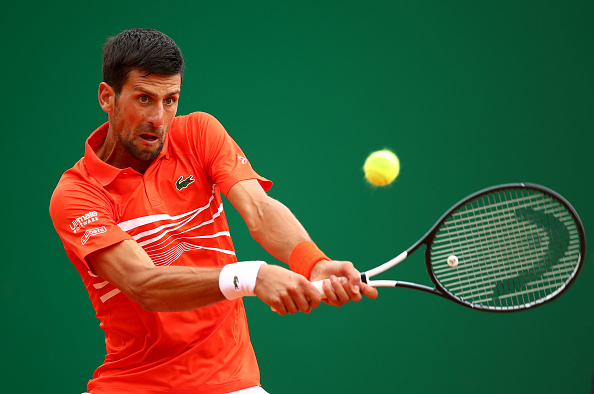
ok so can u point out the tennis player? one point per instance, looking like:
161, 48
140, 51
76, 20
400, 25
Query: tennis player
142, 220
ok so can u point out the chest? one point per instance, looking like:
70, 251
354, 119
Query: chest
171, 187
175, 213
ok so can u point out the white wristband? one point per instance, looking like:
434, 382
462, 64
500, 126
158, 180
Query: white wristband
239, 279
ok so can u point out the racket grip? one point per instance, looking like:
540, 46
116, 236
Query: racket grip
319, 284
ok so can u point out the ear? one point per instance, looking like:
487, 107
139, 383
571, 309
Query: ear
106, 97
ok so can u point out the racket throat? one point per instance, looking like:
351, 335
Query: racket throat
364, 277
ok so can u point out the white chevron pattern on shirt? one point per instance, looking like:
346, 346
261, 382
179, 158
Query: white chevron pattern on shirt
160, 242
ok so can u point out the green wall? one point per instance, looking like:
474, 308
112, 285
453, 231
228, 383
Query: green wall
469, 94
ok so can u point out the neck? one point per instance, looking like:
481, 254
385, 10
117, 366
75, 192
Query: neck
117, 156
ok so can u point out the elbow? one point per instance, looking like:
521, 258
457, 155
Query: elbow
149, 305
147, 290
145, 298
255, 219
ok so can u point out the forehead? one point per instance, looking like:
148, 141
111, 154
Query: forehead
138, 80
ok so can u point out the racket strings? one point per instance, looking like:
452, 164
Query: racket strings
514, 247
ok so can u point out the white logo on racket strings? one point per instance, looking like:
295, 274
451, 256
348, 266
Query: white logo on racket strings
452, 261
82, 221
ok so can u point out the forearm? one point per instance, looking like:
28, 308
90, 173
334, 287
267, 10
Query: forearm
276, 229
279, 232
164, 289
173, 288
270, 222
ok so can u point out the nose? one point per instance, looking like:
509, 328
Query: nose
156, 115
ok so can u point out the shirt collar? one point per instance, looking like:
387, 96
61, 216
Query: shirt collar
103, 172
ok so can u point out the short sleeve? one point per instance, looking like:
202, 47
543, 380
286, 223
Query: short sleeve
84, 218
222, 157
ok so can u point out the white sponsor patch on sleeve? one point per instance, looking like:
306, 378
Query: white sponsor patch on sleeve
80, 222
90, 232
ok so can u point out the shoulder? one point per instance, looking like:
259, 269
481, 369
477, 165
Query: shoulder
195, 131
76, 190
76, 178
194, 121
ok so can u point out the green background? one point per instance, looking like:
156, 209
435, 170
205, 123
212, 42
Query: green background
468, 94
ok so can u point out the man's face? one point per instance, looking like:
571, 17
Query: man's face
143, 114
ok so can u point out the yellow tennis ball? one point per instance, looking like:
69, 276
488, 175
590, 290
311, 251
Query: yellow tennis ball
381, 167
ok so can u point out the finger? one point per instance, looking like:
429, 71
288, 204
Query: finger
352, 292
302, 303
353, 289
369, 291
279, 308
313, 295
289, 305
301, 294
354, 282
339, 290
355, 296
355, 285
331, 297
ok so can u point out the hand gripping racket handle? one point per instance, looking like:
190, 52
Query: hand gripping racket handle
319, 284
368, 274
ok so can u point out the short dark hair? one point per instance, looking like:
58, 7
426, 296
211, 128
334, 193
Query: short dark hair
148, 50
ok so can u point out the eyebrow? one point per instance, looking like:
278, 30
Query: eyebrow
168, 94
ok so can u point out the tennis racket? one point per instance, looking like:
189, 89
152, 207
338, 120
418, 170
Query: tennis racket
506, 248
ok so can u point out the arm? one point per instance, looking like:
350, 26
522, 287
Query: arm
174, 288
270, 222
274, 227
156, 289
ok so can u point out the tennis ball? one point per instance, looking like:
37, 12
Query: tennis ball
381, 167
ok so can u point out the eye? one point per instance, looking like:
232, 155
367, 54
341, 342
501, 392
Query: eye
143, 99
169, 101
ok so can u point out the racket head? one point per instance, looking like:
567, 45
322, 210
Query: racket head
510, 247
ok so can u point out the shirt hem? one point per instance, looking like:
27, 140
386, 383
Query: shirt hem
222, 388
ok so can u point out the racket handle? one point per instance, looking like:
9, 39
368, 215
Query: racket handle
319, 284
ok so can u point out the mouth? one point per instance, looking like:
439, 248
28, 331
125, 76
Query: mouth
148, 137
